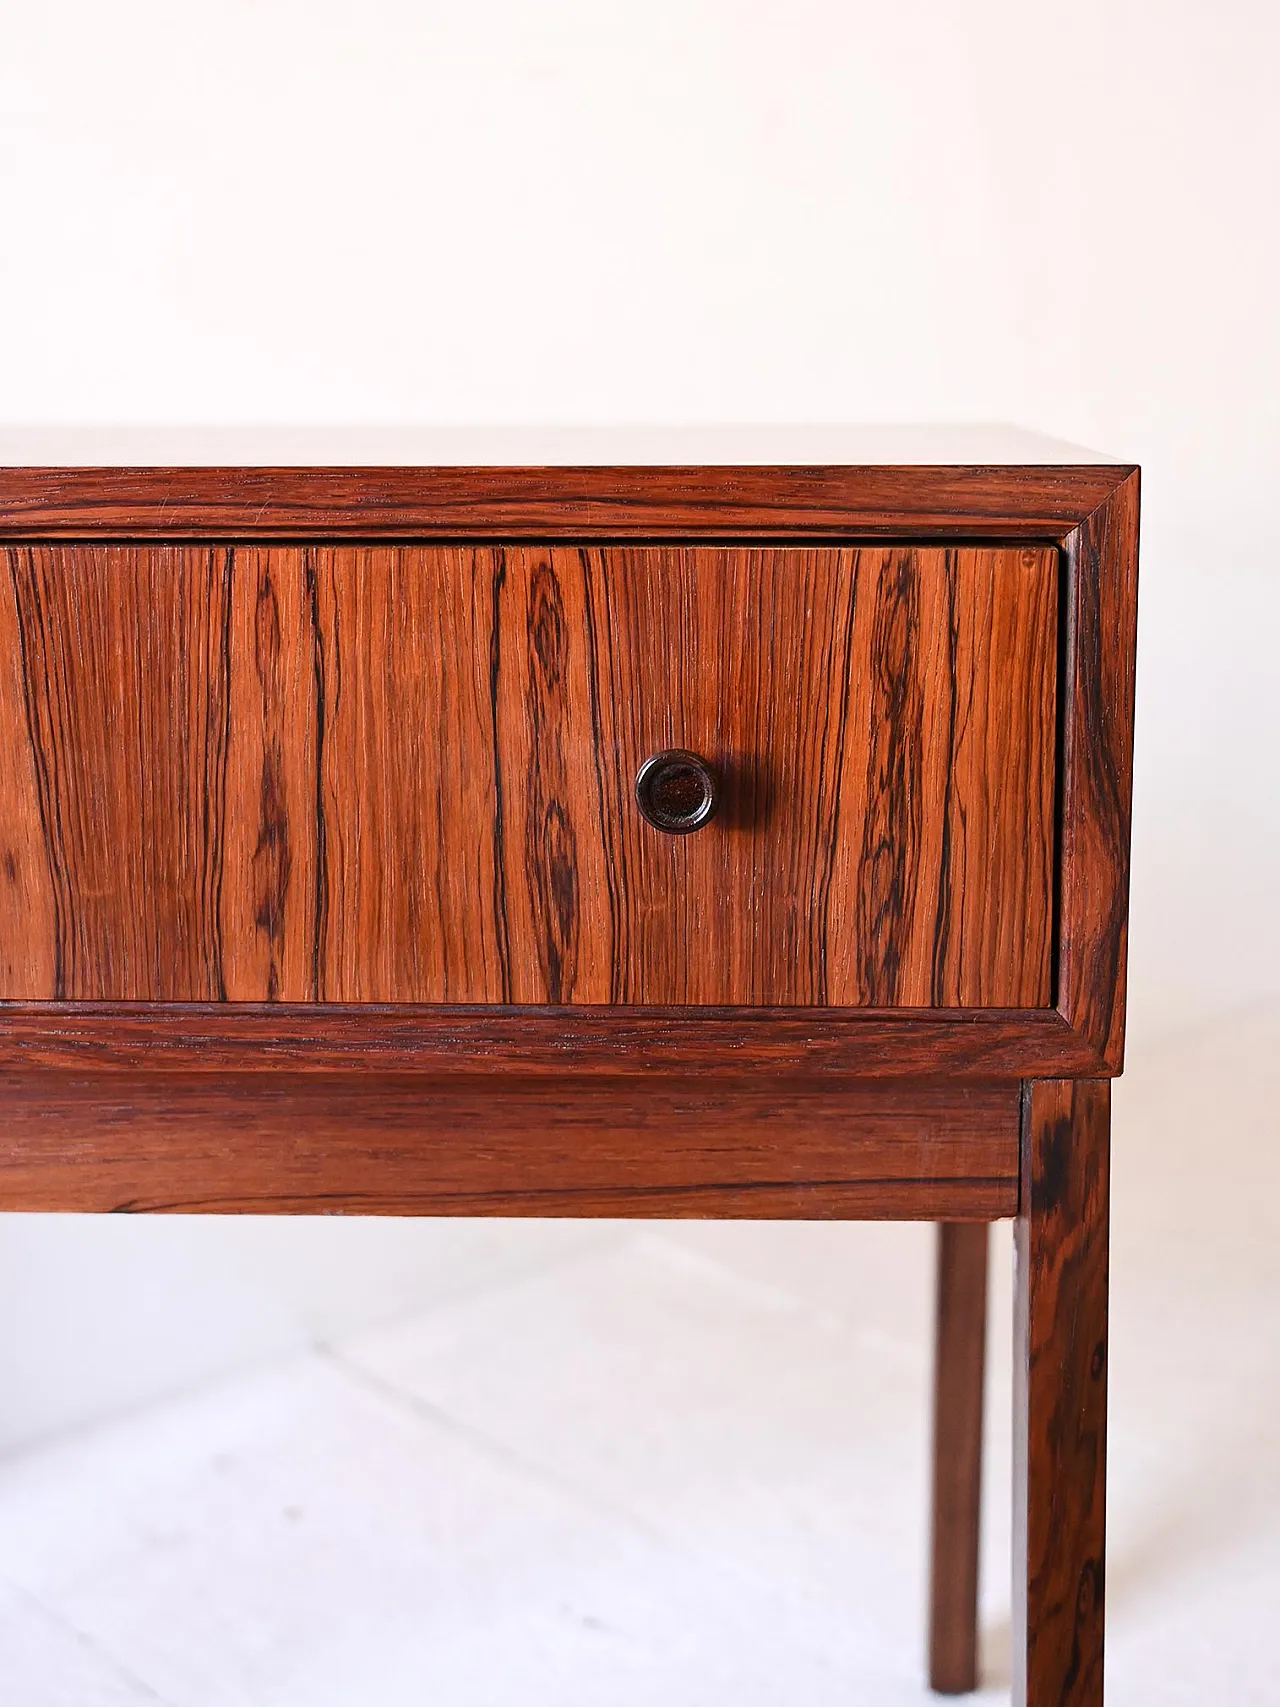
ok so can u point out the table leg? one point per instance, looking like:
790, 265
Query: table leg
1060, 1394
959, 1362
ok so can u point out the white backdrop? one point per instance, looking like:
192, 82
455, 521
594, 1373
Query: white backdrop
633, 211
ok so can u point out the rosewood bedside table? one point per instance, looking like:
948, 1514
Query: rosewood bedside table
694, 839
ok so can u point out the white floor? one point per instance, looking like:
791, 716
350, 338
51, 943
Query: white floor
686, 1464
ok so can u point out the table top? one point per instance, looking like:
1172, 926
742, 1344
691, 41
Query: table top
991, 444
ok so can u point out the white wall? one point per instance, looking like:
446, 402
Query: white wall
666, 210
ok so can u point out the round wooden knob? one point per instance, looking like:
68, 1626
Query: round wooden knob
676, 792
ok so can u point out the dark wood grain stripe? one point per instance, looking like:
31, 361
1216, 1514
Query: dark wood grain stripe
889, 868
502, 941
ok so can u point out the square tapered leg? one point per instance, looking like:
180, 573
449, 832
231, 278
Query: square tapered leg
1060, 1395
959, 1364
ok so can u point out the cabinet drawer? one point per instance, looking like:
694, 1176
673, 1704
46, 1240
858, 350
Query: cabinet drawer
407, 774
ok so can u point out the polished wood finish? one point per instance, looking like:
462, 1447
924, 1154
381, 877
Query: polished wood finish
959, 1367
1060, 1394
554, 1043
332, 767
1020, 503
461, 1146
1097, 770
1091, 511
387, 774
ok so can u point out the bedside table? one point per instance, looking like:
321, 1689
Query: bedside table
656, 835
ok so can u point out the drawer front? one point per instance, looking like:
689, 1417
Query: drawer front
407, 774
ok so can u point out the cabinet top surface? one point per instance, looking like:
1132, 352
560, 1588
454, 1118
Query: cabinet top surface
830, 445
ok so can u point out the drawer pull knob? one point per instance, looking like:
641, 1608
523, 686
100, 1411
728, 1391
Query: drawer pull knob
676, 792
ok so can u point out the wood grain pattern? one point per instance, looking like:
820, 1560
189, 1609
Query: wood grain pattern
124, 709
29, 929
1060, 1395
556, 1043
369, 1145
404, 774
959, 1367
273, 829
322, 844
1022, 502
1097, 772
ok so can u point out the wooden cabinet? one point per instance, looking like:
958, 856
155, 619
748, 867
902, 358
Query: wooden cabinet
325, 884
